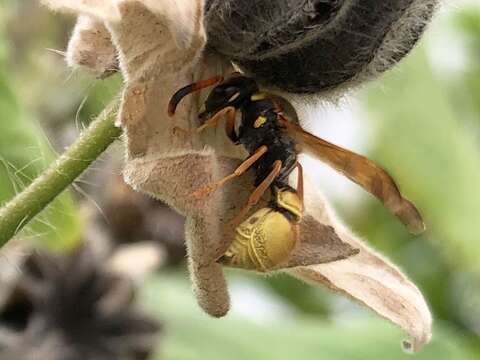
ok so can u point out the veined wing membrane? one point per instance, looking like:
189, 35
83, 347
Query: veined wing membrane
362, 171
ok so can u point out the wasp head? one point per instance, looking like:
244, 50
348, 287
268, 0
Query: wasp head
232, 92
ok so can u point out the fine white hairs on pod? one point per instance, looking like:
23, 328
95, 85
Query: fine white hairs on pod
315, 46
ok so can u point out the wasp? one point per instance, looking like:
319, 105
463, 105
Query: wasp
255, 120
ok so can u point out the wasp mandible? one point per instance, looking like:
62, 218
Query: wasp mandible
267, 238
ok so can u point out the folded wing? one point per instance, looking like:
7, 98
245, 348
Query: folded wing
362, 171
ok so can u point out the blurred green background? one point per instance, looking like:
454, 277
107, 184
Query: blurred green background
422, 122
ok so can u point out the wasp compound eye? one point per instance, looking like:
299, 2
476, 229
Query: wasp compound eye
315, 46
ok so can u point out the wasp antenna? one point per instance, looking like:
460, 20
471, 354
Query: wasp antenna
180, 94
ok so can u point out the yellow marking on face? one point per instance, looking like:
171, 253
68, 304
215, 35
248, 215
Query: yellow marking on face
259, 122
258, 96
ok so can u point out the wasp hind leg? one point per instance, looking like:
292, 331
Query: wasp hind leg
267, 238
209, 189
300, 184
256, 195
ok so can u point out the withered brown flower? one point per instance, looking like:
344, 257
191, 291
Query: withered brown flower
73, 306
160, 48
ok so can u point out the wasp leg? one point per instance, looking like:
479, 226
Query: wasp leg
258, 192
207, 190
229, 111
213, 122
300, 184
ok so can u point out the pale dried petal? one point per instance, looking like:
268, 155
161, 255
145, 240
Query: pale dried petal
172, 178
100, 9
371, 280
319, 244
166, 166
180, 16
169, 167
91, 47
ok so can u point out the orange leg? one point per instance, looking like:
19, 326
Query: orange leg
300, 183
229, 111
258, 192
207, 190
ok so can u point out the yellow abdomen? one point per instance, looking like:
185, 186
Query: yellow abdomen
263, 241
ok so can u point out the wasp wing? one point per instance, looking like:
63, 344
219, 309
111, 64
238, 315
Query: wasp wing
362, 171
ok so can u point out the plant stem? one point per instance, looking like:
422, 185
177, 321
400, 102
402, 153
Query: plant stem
89, 146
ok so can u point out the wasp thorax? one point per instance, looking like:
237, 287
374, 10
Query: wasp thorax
262, 242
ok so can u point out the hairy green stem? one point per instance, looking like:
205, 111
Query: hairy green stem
89, 146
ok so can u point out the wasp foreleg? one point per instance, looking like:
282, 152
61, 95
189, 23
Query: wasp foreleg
229, 111
213, 122
207, 190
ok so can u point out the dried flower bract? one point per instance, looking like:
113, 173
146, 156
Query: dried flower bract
160, 48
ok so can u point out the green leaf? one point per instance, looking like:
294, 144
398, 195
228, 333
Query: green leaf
24, 153
191, 335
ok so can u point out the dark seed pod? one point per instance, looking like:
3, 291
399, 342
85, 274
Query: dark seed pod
72, 308
313, 46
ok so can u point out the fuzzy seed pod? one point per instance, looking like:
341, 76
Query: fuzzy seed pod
315, 46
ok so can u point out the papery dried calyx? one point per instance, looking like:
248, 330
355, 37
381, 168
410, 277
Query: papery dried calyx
158, 54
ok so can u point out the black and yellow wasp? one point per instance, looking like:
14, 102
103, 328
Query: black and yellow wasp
266, 239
